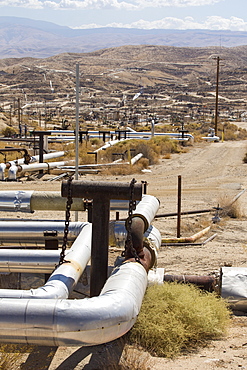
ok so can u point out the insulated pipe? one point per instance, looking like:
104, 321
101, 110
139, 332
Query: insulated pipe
40, 166
28, 261
37, 231
45, 261
30, 201
34, 158
187, 239
65, 277
12, 173
86, 322
2, 170
146, 209
136, 158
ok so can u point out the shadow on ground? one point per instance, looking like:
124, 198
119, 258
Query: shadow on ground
105, 356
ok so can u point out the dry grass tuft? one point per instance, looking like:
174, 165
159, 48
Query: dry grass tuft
229, 208
176, 317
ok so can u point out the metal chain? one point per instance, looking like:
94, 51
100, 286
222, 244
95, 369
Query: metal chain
128, 242
67, 221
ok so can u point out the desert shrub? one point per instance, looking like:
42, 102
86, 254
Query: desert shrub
151, 149
144, 147
245, 158
177, 317
8, 131
229, 208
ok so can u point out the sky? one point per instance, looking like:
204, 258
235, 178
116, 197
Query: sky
145, 14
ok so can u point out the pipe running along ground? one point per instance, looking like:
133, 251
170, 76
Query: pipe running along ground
31, 201
77, 322
62, 281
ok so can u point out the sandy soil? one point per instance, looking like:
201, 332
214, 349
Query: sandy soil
212, 173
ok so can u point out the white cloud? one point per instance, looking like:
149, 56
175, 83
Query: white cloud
211, 23
31, 4
174, 3
99, 4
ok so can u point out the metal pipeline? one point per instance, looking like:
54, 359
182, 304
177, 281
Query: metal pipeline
146, 209
204, 282
77, 322
65, 277
32, 261
187, 239
35, 158
2, 171
86, 322
15, 166
33, 232
12, 173
30, 201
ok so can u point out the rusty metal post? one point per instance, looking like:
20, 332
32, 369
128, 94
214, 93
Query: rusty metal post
145, 184
41, 135
217, 96
179, 207
100, 243
101, 193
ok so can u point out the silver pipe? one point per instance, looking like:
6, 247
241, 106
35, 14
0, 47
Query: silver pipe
30, 201
35, 158
45, 261
65, 277
13, 170
2, 171
86, 322
32, 261
136, 158
37, 231
40, 166
147, 209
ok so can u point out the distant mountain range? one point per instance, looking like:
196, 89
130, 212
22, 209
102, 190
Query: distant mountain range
23, 37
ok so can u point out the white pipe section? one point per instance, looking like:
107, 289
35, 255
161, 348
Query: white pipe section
35, 158
136, 158
86, 322
32, 167
65, 277
147, 209
12, 172
37, 231
107, 145
45, 261
2, 171
41, 166
32, 261
75, 322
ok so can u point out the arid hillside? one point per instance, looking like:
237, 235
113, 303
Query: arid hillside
172, 81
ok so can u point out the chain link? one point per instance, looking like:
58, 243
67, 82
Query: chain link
67, 221
128, 242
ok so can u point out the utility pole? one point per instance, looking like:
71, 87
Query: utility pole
217, 96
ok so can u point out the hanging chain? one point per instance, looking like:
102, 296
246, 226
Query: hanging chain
67, 221
129, 249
